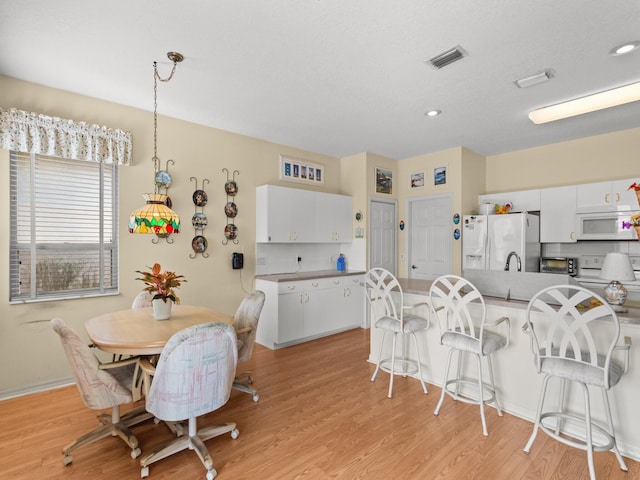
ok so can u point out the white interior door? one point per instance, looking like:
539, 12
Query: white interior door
430, 237
382, 234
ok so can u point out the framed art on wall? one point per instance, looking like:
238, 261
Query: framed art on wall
417, 180
384, 180
301, 171
440, 175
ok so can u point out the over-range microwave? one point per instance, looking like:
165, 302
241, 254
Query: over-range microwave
605, 226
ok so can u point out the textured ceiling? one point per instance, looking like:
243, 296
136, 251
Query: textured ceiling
337, 77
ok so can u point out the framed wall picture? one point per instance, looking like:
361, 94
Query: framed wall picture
384, 180
301, 171
417, 180
440, 175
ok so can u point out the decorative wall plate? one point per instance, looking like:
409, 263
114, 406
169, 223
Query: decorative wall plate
163, 179
199, 220
231, 188
200, 198
230, 231
199, 244
230, 210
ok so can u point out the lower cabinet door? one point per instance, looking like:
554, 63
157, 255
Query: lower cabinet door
290, 316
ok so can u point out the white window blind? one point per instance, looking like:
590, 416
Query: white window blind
63, 228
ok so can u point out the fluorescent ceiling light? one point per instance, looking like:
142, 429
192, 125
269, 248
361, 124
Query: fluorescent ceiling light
532, 80
590, 103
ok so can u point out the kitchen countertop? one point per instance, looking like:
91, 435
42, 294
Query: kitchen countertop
297, 276
421, 287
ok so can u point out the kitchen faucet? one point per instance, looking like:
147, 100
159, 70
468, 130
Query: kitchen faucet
512, 253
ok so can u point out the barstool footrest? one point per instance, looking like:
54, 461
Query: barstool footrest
562, 437
403, 366
462, 397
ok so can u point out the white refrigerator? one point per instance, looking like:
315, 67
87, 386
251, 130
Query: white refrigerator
487, 241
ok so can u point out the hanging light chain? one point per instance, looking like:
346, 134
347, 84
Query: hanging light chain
175, 57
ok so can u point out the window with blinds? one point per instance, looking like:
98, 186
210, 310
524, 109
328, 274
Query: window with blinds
63, 228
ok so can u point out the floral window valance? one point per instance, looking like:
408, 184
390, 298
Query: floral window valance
35, 133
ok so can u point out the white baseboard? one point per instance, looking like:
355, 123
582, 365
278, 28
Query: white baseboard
35, 388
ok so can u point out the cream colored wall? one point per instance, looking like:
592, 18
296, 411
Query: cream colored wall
354, 183
603, 157
202, 152
474, 167
27, 343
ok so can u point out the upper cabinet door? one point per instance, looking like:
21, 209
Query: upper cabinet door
558, 214
284, 215
333, 217
606, 196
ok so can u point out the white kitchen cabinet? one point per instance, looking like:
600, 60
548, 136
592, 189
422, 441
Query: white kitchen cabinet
344, 301
558, 214
333, 217
298, 311
606, 196
522, 201
284, 215
289, 215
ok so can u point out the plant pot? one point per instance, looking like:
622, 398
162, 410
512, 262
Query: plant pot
637, 232
161, 309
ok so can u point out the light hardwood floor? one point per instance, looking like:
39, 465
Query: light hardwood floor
319, 417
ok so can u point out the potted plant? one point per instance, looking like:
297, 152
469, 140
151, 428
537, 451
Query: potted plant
161, 285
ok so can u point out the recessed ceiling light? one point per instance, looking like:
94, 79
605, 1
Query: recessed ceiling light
590, 103
625, 48
433, 113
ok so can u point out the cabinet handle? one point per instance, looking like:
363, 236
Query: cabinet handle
606, 198
336, 282
301, 298
315, 284
571, 236
617, 197
347, 292
306, 298
291, 288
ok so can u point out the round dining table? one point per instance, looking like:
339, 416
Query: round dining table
136, 332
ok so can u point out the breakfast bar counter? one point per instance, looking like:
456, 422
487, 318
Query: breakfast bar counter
517, 382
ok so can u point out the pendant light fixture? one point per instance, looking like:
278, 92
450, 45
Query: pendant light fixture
156, 216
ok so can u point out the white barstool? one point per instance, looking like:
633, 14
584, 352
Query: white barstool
386, 298
574, 336
461, 313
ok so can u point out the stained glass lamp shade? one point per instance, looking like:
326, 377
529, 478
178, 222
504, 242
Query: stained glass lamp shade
154, 217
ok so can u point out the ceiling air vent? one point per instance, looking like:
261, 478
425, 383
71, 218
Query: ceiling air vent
447, 58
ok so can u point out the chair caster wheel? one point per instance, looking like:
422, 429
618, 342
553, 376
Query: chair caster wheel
135, 453
235, 433
256, 397
144, 473
211, 474
67, 460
